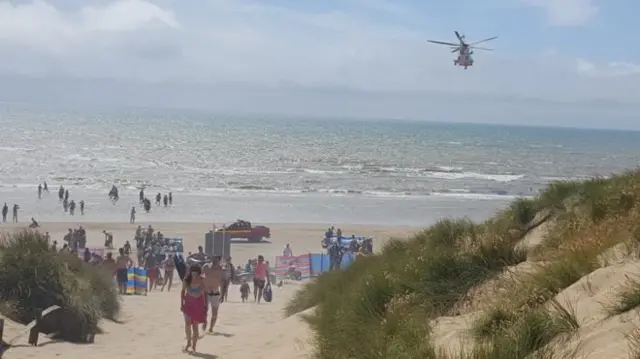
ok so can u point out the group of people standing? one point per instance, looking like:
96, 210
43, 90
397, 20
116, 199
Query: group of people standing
63, 196
167, 200
5, 212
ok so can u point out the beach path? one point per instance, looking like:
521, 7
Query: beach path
153, 327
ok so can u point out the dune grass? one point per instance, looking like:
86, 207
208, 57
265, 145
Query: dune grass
381, 306
518, 333
33, 277
633, 340
628, 298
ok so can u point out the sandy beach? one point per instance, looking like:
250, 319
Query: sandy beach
153, 327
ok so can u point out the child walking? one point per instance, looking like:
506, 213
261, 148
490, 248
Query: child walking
244, 290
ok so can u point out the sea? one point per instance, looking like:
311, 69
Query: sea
288, 170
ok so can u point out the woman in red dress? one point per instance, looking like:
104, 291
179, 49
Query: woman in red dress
193, 305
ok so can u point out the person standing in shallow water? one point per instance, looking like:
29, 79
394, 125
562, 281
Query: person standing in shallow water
165, 200
170, 199
15, 213
5, 211
82, 207
132, 217
39, 191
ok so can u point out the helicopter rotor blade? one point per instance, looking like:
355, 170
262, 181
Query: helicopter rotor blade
485, 40
443, 43
458, 36
455, 49
481, 48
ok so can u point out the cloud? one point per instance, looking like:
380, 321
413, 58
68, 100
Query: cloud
611, 69
254, 45
566, 12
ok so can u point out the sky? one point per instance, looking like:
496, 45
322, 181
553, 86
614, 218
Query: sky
556, 62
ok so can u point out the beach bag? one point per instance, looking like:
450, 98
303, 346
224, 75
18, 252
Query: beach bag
267, 294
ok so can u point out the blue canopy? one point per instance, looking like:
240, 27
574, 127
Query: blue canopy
346, 241
175, 244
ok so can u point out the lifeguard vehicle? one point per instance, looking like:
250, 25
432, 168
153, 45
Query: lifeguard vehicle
244, 229
464, 49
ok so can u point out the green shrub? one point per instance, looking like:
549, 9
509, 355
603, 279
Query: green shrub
523, 211
33, 277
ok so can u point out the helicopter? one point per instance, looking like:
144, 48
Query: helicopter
464, 49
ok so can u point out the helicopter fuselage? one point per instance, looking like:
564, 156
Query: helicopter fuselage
464, 58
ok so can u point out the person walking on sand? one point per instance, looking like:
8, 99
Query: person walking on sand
15, 213
260, 277
132, 216
213, 277
152, 269
227, 279
5, 211
169, 267
193, 305
123, 262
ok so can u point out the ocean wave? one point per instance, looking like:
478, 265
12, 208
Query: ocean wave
472, 175
463, 193
132, 187
436, 172
322, 170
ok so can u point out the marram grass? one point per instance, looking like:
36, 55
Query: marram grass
381, 306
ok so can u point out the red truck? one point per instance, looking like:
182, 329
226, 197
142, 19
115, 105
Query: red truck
244, 229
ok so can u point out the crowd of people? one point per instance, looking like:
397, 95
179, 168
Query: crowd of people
337, 245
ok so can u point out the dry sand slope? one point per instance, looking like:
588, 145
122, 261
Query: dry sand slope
153, 325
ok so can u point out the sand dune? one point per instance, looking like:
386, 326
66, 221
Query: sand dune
153, 326
599, 335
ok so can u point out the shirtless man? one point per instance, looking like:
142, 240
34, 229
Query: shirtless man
123, 262
213, 276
